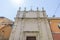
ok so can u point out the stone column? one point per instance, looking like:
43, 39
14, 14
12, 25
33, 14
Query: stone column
48, 30
17, 31
43, 34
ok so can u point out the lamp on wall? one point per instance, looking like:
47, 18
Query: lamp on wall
59, 25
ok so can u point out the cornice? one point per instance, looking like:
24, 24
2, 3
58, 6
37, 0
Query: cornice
54, 18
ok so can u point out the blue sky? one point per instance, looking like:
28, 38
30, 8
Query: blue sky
9, 9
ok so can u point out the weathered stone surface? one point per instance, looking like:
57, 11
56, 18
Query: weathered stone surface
31, 23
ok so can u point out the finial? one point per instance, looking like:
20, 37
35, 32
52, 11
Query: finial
37, 8
25, 9
31, 8
53, 15
19, 8
43, 9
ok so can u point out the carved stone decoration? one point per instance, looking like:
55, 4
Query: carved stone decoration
33, 25
19, 9
25, 9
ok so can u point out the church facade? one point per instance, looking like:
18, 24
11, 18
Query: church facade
31, 25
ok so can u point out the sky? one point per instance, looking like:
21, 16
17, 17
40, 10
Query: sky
9, 8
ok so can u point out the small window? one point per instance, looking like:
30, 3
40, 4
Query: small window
59, 25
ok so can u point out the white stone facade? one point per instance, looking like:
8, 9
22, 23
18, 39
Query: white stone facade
31, 23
